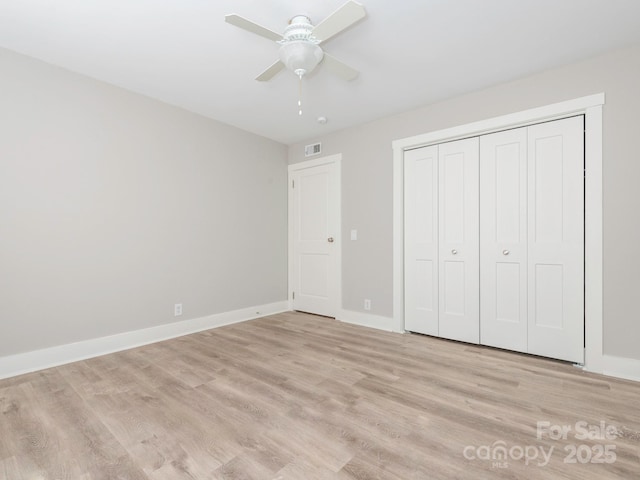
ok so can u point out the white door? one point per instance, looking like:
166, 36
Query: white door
556, 239
421, 240
503, 239
314, 225
458, 239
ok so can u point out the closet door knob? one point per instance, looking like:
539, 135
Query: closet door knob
505, 252
330, 239
454, 251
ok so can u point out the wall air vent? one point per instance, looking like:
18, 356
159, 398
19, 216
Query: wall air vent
311, 150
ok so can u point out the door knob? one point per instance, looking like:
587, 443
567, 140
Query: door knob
454, 251
330, 239
505, 252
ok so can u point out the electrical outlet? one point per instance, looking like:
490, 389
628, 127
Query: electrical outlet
367, 304
177, 310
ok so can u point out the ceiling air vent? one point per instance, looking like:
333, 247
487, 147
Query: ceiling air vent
311, 150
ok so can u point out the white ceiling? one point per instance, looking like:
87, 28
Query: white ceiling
409, 52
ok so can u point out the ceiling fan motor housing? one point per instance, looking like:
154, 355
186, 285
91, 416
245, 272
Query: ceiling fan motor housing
300, 51
300, 28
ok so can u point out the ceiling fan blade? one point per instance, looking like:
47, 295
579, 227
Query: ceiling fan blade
270, 72
340, 69
339, 20
252, 27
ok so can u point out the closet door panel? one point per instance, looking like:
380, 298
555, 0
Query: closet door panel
421, 240
458, 240
556, 239
503, 239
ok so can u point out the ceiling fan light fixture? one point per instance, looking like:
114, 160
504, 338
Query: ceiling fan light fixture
300, 50
301, 56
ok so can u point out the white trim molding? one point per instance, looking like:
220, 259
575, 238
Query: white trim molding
18, 364
369, 320
591, 108
627, 368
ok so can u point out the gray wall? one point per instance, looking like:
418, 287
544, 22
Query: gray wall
367, 181
113, 207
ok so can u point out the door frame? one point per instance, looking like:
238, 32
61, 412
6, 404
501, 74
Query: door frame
337, 281
591, 107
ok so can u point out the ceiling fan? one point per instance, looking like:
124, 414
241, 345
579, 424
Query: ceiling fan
300, 49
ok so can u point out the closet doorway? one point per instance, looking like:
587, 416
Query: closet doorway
494, 239
589, 107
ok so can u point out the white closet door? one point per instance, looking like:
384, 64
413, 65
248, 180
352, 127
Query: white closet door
458, 240
556, 239
503, 239
421, 240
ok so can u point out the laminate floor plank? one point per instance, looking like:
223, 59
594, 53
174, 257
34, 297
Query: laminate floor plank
9, 469
299, 397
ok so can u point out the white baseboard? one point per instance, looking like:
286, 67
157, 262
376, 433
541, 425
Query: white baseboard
627, 368
369, 320
13, 365
20, 363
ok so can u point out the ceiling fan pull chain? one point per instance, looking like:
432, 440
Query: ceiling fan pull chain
300, 95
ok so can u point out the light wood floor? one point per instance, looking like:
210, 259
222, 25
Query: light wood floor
299, 397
